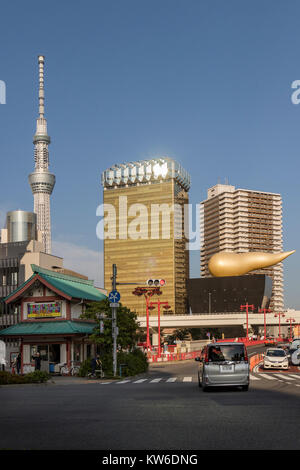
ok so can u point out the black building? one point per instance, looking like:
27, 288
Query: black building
227, 294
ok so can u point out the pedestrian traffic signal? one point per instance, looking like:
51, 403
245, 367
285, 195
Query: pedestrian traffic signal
156, 282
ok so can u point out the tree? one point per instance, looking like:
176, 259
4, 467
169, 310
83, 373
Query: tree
126, 322
180, 334
201, 333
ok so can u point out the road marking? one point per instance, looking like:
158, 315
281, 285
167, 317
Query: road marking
140, 381
296, 376
123, 382
253, 377
105, 383
187, 379
155, 381
285, 377
269, 377
172, 379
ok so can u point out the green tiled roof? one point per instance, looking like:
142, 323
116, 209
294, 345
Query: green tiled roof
75, 289
49, 328
70, 285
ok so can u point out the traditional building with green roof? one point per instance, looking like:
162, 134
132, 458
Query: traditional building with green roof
51, 305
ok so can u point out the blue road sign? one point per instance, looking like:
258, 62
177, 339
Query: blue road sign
114, 296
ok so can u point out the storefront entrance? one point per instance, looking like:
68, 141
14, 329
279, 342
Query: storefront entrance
50, 356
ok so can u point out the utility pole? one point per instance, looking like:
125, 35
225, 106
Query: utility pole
114, 321
114, 298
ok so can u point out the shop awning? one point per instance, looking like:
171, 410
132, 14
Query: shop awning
67, 327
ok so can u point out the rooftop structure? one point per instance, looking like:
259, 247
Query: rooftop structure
153, 170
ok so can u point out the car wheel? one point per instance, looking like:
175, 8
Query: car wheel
204, 387
199, 383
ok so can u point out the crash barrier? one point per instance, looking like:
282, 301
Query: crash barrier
254, 360
168, 357
248, 342
173, 356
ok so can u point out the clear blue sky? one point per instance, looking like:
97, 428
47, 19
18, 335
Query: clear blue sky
207, 82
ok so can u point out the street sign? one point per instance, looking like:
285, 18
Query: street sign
114, 305
114, 296
116, 330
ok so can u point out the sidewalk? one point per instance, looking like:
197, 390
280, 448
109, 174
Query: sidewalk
66, 380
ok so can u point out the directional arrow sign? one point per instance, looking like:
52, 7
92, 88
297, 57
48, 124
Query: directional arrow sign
114, 296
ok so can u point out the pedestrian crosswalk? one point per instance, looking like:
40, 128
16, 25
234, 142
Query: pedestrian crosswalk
290, 379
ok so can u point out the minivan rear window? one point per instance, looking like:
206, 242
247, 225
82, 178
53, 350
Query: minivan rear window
228, 352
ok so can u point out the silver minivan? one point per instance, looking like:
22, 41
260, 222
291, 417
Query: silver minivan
223, 364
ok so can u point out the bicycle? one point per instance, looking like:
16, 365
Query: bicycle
64, 369
99, 374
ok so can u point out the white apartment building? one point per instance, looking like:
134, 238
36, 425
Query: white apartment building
241, 220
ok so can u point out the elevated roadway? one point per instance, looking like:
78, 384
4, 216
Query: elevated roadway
217, 320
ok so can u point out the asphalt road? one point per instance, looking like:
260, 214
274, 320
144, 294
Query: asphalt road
163, 409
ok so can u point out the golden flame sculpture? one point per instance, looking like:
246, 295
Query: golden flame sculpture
226, 263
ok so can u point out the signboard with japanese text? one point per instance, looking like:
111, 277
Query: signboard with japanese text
42, 310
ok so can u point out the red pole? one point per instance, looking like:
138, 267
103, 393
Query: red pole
246, 307
247, 337
159, 303
290, 320
147, 314
158, 308
279, 317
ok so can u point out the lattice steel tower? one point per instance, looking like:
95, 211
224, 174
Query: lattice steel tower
41, 180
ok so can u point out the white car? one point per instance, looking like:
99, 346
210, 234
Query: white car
276, 358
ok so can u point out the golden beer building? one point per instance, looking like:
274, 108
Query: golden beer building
144, 230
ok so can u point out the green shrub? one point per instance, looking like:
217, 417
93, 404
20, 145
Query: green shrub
85, 368
4, 377
136, 362
37, 376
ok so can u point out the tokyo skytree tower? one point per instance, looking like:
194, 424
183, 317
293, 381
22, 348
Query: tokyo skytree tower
41, 180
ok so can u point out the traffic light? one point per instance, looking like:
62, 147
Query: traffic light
156, 282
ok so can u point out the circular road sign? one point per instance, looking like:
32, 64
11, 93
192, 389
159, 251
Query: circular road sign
114, 296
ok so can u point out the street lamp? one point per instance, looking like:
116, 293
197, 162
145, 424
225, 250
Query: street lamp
264, 311
290, 320
147, 292
166, 306
279, 315
246, 308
